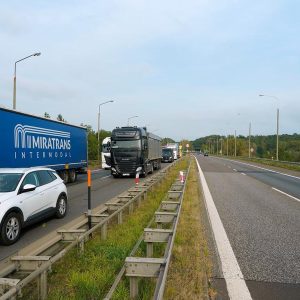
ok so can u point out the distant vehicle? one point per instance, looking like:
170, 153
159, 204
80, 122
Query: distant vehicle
175, 148
167, 155
205, 153
105, 154
133, 150
27, 196
29, 141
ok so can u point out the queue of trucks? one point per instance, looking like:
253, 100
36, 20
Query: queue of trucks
33, 141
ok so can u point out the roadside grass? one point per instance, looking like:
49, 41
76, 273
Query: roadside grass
91, 274
273, 163
94, 164
190, 265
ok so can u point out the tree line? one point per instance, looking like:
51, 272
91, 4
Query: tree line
262, 146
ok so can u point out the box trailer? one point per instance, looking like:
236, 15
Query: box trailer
30, 141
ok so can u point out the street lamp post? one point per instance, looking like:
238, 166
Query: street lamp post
110, 101
277, 126
15, 78
130, 119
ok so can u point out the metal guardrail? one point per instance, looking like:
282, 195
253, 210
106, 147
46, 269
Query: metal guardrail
137, 267
37, 264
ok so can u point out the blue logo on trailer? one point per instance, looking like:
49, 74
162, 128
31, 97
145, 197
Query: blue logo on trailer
32, 141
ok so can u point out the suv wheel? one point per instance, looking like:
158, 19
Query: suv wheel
61, 207
11, 228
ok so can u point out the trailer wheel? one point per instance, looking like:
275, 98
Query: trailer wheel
151, 168
159, 165
65, 176
72, 175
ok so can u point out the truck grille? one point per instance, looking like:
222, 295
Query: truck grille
127, 167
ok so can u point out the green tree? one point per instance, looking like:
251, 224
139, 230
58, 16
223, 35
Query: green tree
166, 140
46, 115
61, 119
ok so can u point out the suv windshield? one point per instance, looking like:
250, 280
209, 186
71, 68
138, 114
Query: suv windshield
9, 181
133, 144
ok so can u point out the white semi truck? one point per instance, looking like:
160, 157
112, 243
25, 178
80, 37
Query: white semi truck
175, 148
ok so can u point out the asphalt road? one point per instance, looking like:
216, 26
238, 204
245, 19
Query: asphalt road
104, 187
262, 224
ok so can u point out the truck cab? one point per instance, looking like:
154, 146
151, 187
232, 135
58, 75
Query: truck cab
133, 150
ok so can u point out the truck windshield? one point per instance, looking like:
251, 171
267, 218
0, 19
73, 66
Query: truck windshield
106, 148
132, 144
167, 151
9, 181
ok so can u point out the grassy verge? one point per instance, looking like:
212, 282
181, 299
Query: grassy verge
90, 275
94, 164
272, 163
190, 265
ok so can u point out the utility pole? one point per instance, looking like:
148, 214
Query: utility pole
227, 144
277, 146
221, 146
249, 139
235, 143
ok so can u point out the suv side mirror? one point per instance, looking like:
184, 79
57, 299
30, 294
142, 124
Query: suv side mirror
28, 188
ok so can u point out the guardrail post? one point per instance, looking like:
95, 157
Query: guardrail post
134, 287
145, 196
42, 286
149, 249
81, 246
130, 208
104, 231
120, 217
139, 201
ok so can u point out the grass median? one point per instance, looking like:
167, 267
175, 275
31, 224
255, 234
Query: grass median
190, 264
91, 274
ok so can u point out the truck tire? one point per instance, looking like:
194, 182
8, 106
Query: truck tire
61, 207
72, 175
151, 168
11, 228
65, 176
159, 165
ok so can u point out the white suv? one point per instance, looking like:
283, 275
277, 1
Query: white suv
27, 196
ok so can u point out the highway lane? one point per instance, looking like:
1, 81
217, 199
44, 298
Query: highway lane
287, 183
104, 187
262, 225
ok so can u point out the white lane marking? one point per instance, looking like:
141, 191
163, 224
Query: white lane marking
234, 170
96, 170
236, 285
236, 161
243, 174
286, 194
105, 177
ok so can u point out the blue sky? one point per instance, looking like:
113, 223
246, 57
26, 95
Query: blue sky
186, 68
